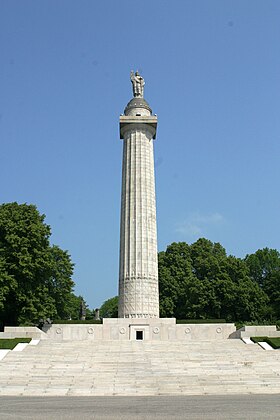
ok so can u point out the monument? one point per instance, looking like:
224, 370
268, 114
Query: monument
138, 269
138, 312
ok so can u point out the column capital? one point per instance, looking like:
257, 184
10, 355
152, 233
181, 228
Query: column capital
130, 122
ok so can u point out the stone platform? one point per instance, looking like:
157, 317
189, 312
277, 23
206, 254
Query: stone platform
150, 329
140, 368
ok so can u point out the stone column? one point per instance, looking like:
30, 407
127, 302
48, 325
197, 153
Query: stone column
138, 273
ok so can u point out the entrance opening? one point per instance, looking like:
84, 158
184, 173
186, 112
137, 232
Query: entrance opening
139, 335
139, 332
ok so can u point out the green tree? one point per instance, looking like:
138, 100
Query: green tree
59, 282
262, 264
175, 277
201, 281
109, 309
72, 307
250, 301
264, 269
35, 278
272, 289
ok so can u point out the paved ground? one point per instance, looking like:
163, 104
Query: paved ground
128, 368
245, 407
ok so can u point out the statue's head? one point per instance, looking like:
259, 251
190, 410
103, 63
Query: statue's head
137, 73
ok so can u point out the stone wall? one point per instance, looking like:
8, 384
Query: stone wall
155, 329
23, 332
256, 331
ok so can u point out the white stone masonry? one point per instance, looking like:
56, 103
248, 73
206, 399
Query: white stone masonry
138, 275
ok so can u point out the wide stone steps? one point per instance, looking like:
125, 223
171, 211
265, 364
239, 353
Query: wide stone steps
140, 368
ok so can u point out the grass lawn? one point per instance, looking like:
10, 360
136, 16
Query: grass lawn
10, 343
272, 341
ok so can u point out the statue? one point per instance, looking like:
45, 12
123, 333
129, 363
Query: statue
137, 84
82, 310
96, 314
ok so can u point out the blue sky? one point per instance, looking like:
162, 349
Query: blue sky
212, 72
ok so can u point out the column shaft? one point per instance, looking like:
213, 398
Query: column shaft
138, 276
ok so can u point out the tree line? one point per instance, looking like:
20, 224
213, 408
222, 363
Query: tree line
200, 281
197, 281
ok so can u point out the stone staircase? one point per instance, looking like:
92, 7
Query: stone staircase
140, 368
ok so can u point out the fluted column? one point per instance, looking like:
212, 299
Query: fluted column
138, 274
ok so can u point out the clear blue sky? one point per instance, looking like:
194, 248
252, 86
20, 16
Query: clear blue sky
212, 72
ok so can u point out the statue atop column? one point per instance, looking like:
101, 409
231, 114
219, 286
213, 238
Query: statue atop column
137, 84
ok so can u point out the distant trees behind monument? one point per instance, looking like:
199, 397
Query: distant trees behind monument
200, 281
35, 276
109, 308
264, 269
197, 281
